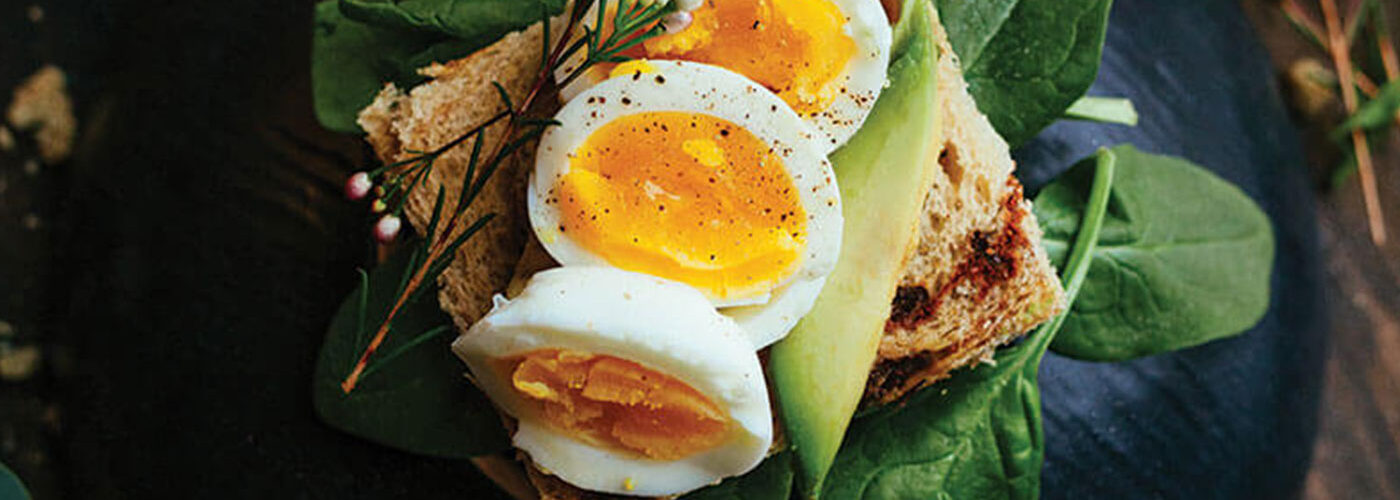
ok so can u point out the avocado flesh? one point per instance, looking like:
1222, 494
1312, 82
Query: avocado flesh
819, 371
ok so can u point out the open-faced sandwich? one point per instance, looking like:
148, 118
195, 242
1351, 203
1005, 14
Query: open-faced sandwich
797, 188
716, 248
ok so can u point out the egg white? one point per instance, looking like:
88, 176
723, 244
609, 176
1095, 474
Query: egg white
863, 78
663, 325
865, 73
771, 322
710, 90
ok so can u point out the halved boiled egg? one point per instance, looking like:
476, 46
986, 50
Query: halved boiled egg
826, 58
621, 382
696, 174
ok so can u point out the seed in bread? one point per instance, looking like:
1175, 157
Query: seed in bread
979, 278
983, 277
459, 96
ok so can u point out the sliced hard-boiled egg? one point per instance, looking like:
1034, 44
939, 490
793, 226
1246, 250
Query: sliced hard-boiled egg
696, 174
621, 382
826, 58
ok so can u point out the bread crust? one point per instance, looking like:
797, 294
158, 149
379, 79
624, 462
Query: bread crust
459, 97
978, 279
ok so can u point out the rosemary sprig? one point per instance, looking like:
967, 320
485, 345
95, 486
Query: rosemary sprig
1341, 56
632, 22
1312, 30
1386, 42
1337, 38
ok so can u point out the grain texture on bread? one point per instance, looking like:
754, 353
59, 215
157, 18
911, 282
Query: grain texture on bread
977, 280
979, 277
459, 97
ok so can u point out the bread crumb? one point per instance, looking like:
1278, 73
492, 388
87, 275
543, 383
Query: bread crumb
31, 167
35, 13
32, 222
7, 139
6, 330
18, 363
42, 104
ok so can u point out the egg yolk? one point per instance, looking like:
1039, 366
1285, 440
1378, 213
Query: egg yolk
687, 197
618, 404
796, 48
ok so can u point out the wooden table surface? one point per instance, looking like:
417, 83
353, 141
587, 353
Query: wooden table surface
1357, 454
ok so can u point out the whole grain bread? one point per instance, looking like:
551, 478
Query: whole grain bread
458, 97
978, 279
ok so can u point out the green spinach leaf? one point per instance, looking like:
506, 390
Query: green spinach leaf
461, 19
1377, 113
359, 45
351, 61
977, 434
1026, 61
772, 480
1185, 258
419, 401
12, 488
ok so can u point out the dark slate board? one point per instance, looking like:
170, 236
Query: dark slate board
1232, 419
206, 246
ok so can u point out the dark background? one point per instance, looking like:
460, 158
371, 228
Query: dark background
186, 260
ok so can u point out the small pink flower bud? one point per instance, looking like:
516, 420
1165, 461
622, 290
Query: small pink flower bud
358, 186
387, 228
378, 206
676, 22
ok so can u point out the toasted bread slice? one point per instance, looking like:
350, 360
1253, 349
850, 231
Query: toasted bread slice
979, 278
459, 97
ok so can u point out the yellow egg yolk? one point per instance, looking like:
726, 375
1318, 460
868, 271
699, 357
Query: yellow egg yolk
796, 48
618, 404
687, 197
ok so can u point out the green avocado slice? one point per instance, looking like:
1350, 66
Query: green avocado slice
819, 370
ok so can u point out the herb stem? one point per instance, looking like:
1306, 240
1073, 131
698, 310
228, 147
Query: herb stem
364, 306
1302, 22
1311, 30
353, 378
1081, 255
1356, 19
446, 242
1104, 110
1366, 86
479, 129
424, 337
1341, 57
1386, 42
442, 240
